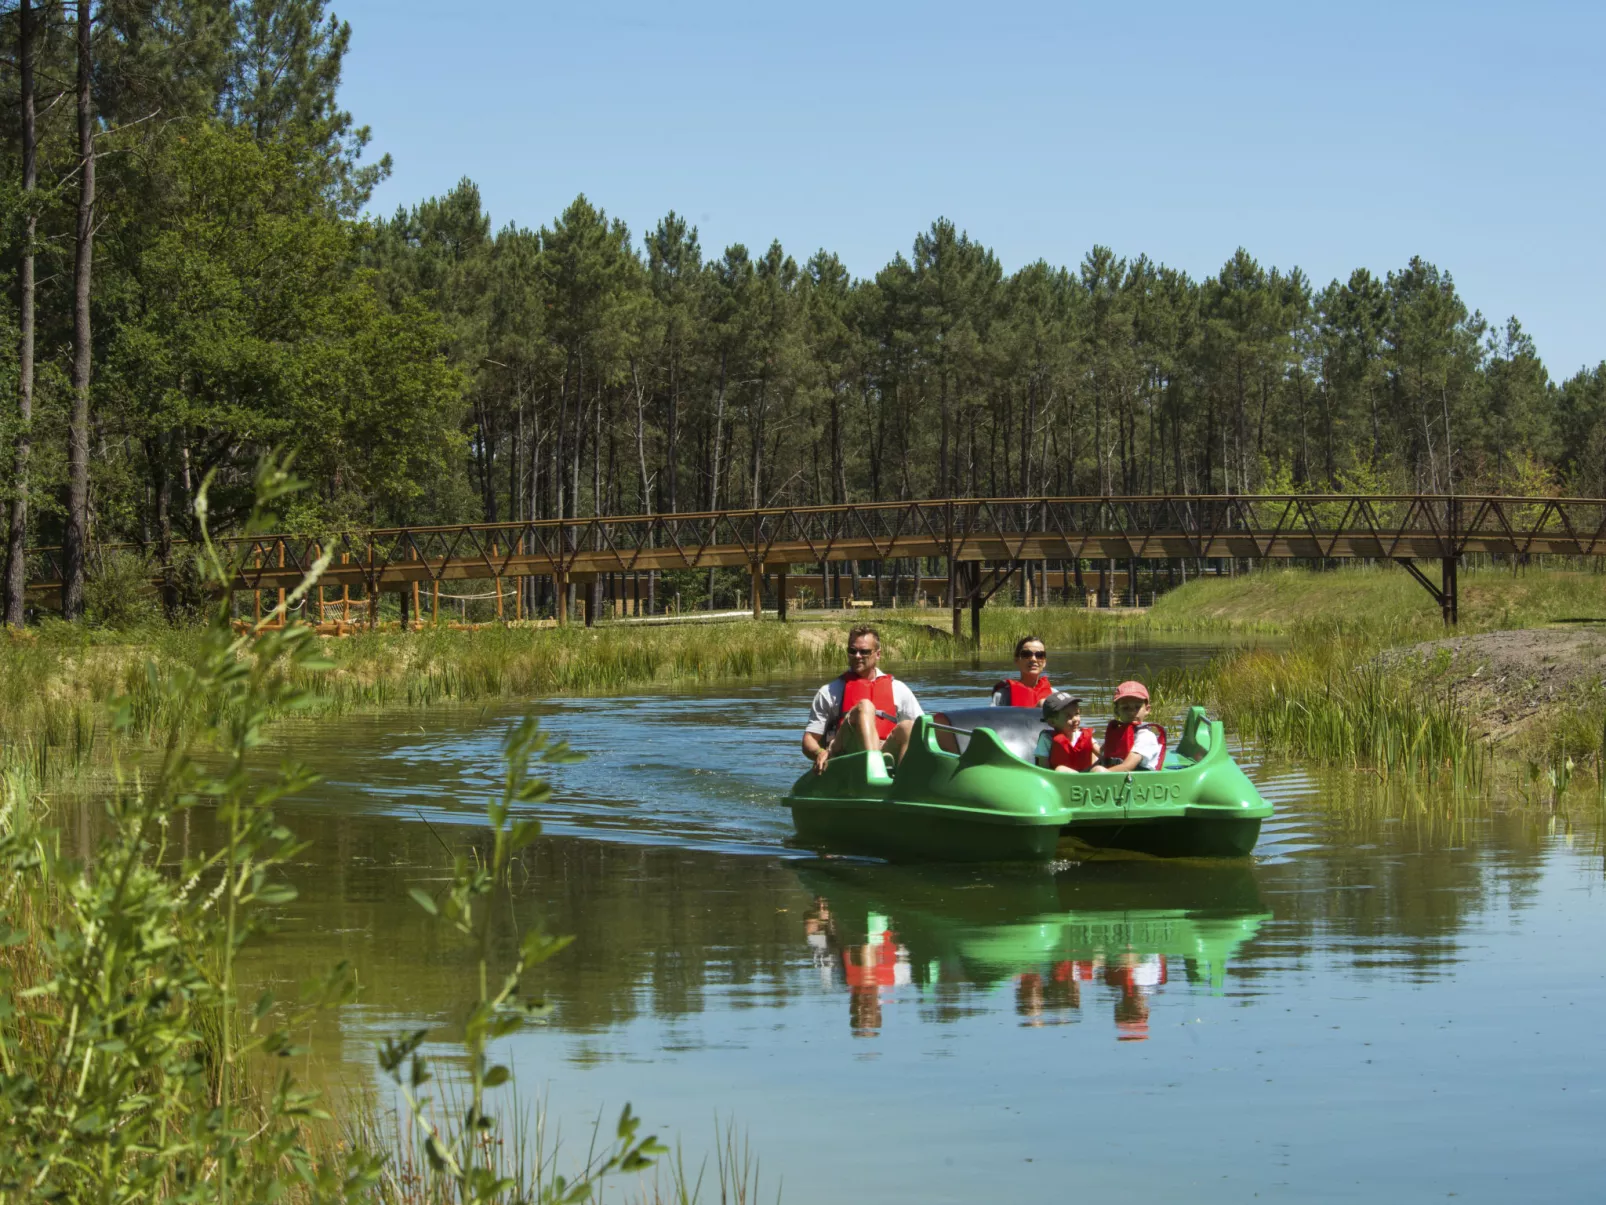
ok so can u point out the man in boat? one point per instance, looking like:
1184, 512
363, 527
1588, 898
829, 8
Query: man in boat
1032, 687
1131, 742
864, 709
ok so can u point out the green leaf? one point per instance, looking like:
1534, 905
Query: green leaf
523, 832
537, 947
276, 894
424, 900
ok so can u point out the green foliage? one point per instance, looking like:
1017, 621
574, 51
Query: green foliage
1326, 700
118, 594
131, 1068
239, 323
126, 1060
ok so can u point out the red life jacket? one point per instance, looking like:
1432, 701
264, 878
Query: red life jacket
879, 967
1015, 693
1119, 737
1078, 754
879, 692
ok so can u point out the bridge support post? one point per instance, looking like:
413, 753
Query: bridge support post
560, 587
975, 616
780, 594
755, 589
958, 590
1446, 593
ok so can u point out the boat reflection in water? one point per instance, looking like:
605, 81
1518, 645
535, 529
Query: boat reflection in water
1120, 930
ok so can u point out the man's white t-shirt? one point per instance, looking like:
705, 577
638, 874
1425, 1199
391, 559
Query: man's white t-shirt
827, 704
1146, 744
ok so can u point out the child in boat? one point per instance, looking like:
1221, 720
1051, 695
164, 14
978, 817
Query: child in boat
1131, 742
1072, 747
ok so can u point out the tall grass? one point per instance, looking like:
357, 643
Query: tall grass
1326, 699
1306, 700
54, 681
532, 1155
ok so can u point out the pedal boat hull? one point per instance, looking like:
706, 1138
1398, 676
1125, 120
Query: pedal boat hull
990, 802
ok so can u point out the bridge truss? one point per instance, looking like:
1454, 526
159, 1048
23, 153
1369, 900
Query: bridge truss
982, 540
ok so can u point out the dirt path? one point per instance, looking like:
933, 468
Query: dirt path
1507, 678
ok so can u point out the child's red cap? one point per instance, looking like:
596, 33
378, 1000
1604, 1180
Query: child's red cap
1132, 690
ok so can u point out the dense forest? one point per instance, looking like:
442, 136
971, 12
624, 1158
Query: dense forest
195, 278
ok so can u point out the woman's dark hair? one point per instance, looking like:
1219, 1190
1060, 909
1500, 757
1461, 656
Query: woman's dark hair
1025, 640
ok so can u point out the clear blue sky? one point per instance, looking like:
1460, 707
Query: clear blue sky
1328, 136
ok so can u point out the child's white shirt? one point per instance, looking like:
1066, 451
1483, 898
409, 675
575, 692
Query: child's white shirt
1146, 744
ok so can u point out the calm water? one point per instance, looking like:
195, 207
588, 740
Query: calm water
1397, 999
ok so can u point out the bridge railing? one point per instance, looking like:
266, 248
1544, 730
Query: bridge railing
1146, 526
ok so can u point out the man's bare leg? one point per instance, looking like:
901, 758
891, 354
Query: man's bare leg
897, 742
857, 731
861, 734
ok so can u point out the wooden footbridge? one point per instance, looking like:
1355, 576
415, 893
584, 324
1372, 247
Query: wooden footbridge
981, 542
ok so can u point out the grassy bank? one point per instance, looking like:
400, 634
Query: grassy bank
1321, 693
55, 681
1384, 600
1332, 693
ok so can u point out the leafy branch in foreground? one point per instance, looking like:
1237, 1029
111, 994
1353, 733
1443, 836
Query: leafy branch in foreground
126, 1069
465, 1161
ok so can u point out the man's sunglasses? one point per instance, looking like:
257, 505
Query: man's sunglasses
852, 652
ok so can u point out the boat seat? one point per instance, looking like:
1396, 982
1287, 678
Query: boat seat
1018, 728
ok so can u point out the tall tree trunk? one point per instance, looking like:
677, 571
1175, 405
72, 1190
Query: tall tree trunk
719, 428
756, 441
594, 608
839, 493
487, 462
156, 452
77, 534
16, 548
672, 438
643, 488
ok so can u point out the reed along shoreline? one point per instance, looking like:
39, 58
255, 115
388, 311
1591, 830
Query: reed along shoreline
1322, 690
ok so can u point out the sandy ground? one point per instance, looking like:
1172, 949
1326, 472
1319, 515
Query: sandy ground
1507, 679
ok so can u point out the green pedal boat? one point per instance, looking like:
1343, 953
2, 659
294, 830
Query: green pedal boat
971, 789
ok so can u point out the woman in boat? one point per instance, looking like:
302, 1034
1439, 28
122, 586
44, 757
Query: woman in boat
1033, 686
1131, 742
